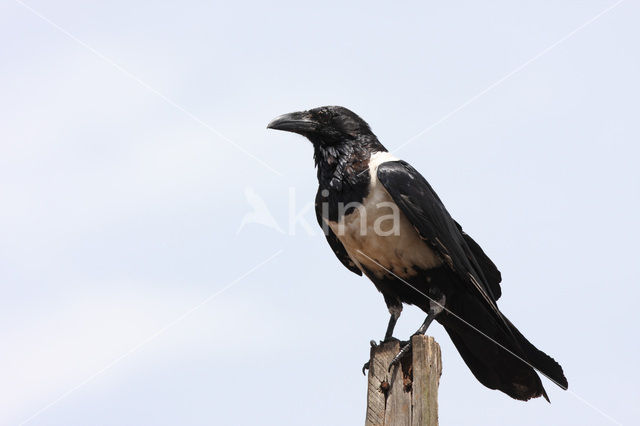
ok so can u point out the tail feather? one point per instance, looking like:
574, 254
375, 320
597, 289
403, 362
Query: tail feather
509, 366
541, 361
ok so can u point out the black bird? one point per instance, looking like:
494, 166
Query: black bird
383, 219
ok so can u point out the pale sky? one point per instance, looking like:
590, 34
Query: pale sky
134, 135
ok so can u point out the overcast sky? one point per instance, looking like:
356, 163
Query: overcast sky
134, 142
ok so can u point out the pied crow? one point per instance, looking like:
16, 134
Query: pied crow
382, 219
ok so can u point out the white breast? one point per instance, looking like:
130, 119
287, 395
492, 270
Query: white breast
378, 236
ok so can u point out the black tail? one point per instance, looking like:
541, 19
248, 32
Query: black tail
506, 367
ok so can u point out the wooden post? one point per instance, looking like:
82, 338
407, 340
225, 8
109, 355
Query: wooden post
408, 395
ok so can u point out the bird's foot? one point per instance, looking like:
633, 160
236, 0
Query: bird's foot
367, 364
405, 348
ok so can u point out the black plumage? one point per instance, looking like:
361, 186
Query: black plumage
429, 261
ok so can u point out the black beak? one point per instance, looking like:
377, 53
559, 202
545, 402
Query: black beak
297, 122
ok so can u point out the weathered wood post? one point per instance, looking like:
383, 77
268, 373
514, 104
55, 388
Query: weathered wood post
408, 395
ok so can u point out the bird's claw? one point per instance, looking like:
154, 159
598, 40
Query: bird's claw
396, 359
367, 364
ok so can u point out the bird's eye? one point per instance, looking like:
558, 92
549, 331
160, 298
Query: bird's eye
324, 115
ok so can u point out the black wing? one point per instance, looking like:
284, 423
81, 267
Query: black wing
422, 206
418, 201
334, 242
489, 269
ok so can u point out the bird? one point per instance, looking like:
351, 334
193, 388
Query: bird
383, 220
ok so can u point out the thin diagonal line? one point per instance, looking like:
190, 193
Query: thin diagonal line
147, 86
150, 338
507, 76
457, 316
491, 339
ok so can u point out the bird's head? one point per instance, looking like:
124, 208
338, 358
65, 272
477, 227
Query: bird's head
327, 126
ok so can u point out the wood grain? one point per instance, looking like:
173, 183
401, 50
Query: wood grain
408, 395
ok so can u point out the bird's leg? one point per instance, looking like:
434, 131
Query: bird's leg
435, 308
395, 309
